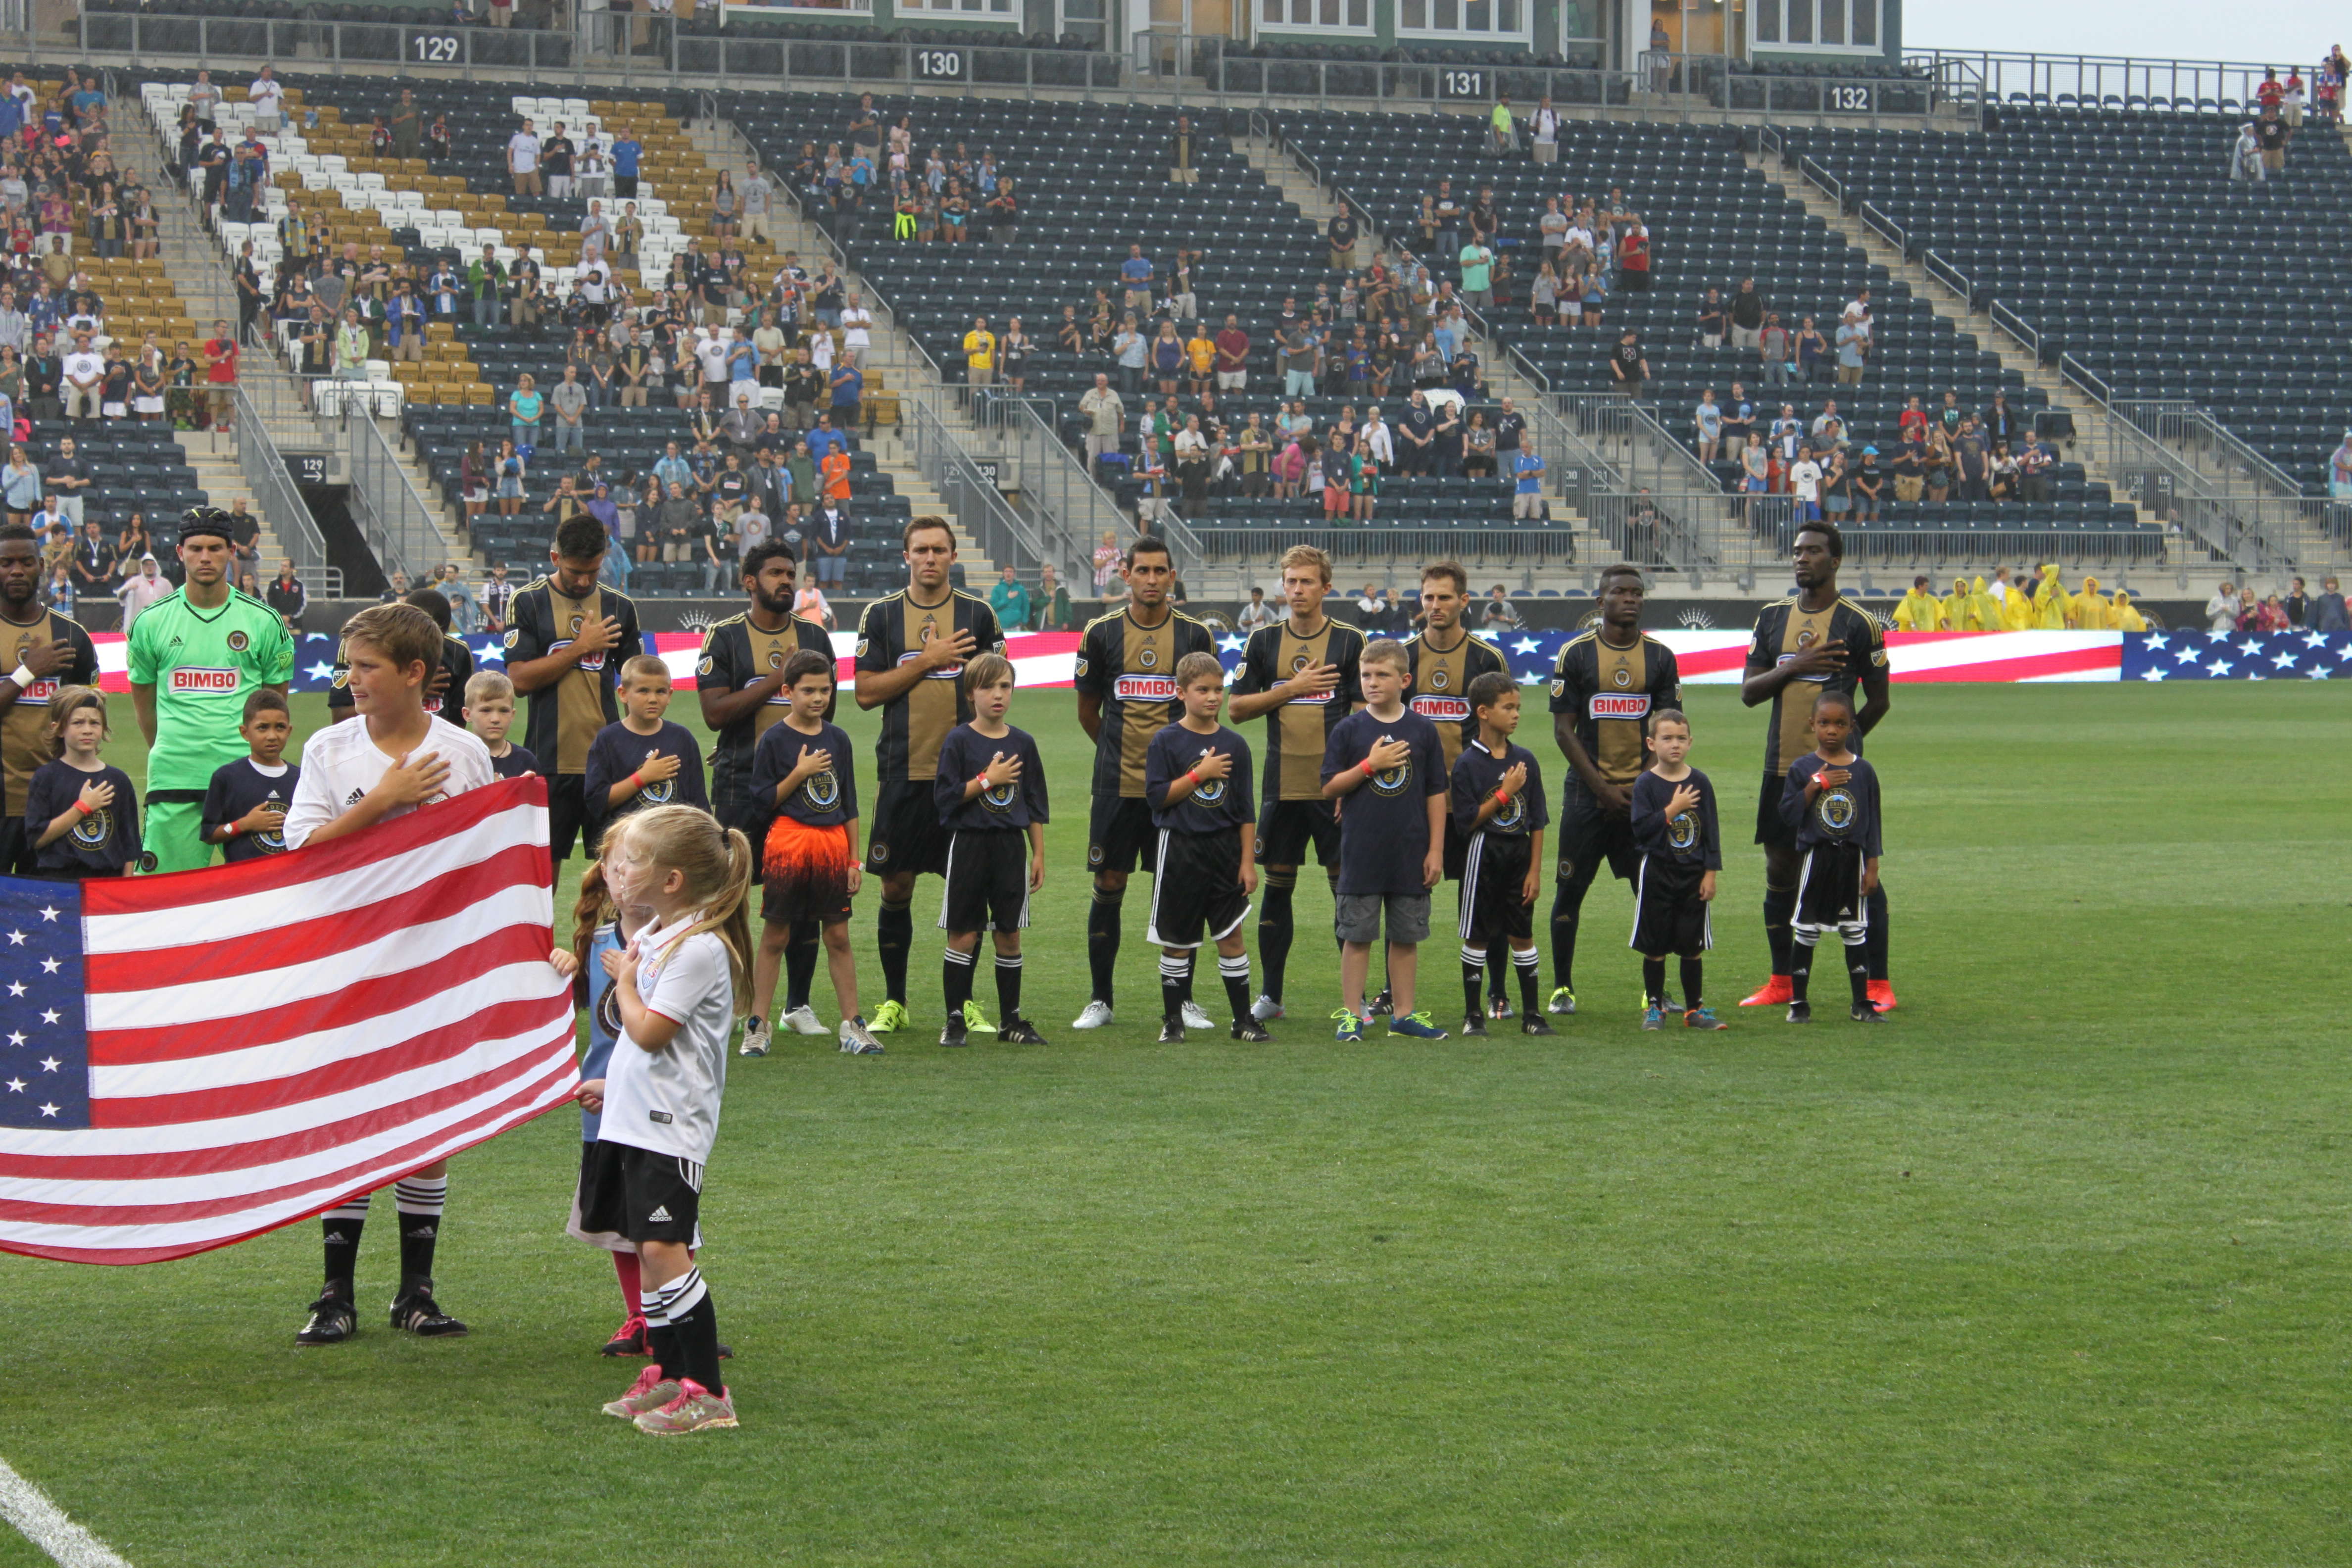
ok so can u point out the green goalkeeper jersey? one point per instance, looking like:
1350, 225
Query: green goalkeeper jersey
202, 665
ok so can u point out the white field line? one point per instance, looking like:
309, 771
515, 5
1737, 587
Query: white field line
47, 1525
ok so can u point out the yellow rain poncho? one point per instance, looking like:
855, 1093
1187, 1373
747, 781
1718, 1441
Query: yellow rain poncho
2049, 602
2125, 618
1971, 609
1918, 611
2090, 611
2015, 609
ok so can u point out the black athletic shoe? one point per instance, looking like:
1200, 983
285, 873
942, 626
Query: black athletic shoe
1250, 1029
1801, 1012
417, 1313
1499, 1008
1473, 1027
1379, 1005
1866, 1013
726, 1352
952, 1033
1171, 1031
1019, 1032
1533, 1024
331, 1322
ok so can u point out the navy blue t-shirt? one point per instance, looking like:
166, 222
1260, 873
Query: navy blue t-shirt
99, 845
617, 752
1846, 814
236, 788
1218, 805
517, 761
1384, 821
823, 800
964, 755
1479, 773
1689, 840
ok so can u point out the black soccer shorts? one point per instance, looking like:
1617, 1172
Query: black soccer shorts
639, 1194
1119, 833
567, 815
1771, 831
1590, 833
1195, 887
1286, 828
1669, 917
907, 835
1494, 873
988, 881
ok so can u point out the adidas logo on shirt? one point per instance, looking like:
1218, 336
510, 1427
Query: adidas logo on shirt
659, 1216
354, 797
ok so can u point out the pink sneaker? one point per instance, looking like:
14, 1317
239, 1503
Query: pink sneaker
695, 1409
650, 1392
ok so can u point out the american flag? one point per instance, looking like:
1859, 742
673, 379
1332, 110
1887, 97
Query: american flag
186, 1061
2238, 655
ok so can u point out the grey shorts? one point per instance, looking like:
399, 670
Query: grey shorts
1357, 916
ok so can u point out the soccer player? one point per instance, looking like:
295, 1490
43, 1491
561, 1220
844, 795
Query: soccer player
989, 790
911, 651
195, 654
803, 774
43, 653
1830, 803
396, 758
1125, 680
1813, 642
678, 988
1682, 849
1386, 764
489, 714
79, 811
455, 669
1196, 778
1498, 808
1445, 659
567, 638
644, 759
739, 682
245, 808
1604, 690
1300, 674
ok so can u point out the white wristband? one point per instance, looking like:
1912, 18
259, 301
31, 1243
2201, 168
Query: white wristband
22, 678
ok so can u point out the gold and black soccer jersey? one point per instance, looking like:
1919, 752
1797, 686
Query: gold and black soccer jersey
1612, 692
893, 632
1132, 668
737, 653
1441, 686
1297, 731
24, 726
1782, 632
565, 717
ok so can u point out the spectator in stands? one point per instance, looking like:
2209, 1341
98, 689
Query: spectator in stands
2329, 612
569, 398
522, 160
1009, 599
1499, 615
1706, 421
2270, 130
84, 372
2339, 470
1628, 368
2247, 158
1853, 349
1634, 256
1812, 352
1775, 345
979, 353
512, 469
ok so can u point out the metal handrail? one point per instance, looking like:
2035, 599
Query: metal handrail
2001, 75
1950, 276
1830, 184
1892, 232
265, 475
397, 520
979, 505
2010, 321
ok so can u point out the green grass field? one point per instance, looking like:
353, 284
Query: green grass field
2050, 1269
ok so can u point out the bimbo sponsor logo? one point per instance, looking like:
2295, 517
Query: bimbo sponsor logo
197, 677
1606, 706
1440, 707
1144, 689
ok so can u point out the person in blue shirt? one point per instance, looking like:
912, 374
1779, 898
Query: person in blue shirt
673, 470
1528, 471
644, 760
1672, 818
848, 388
824, 440
626, 150
1135, 276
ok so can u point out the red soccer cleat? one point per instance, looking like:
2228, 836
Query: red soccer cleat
1882, 994
1776, 993
629, 1339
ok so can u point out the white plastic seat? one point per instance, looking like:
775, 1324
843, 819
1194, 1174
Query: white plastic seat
433, 236
377, 369
333, 162
371, 182
315, 180
449, 217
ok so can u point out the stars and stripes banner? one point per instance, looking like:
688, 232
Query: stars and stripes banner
2237, 655
191, 1060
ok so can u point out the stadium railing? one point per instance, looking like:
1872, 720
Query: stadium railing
396, 522
2094, 81
272, 484
2176, 460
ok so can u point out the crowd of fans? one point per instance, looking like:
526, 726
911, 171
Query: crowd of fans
2233, 608
2261, 148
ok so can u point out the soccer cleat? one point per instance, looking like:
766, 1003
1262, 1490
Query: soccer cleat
755, 1038
1473, 1027
416, 1311
977, 1021
1250, 1029
1351, 1028
802, 1020
1021, 1032
1378, 1006
1531, 1024
1195, 1016
1171, 1031
1775, 992
1669, 1004
1414, 1026
1799, 1012
696, 1409
1563, 1002
1702, 1019
952, 1033
1095, 1016
857, 1040
1865, 1014
1265, 1009
629, 1339
1654, 1016
889, 1018
1500, 1007
1882, 994
650, 1392
331, 1322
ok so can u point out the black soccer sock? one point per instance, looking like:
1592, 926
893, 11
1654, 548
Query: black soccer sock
800, 963
1498, 961
1175, 969
694, 1328
1692, 969
341, 1225
1235, 971
1339, 946
1192, 967
1474, 975
1780, 909
1567, 911
1801, 968
1102, 942
1528, 962
955, 979
1274, 927
1008, 987
1653, 980
661, 1338
1857, 969
1873, 947
894, 933
419, 1200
